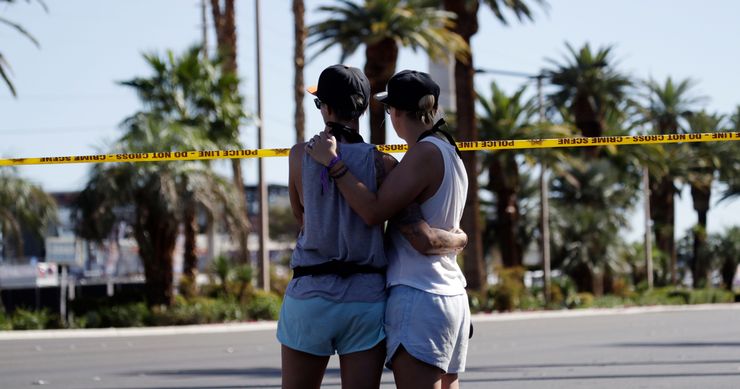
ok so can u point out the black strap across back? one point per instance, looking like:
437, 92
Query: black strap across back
438, 129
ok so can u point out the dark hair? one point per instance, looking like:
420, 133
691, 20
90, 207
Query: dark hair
346, 114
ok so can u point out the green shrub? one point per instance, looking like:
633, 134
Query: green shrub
30, 320
264, 306
710, 296
662, 296
474, 301
580, 300
531, 301
563, 292
187, 287
198, 311
682, 294
610, 301
127, 315
506, 295
77, 322
5, 323
557, 296
243, 278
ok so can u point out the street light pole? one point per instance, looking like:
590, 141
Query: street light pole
544, 201
263, 276
648, 229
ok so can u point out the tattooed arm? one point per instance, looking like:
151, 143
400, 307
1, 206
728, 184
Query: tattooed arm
424, 238
413, 227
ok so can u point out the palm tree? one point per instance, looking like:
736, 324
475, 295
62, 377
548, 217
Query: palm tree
4, 66
467, 130
590, 94
730, 152
383, 26
505, 117
590, 205
704, 161
161, 194
192, 91
577, 201
299, 61
666, 108
589, 86
24, 206
197, 93
188, 105
726, 249
224, 20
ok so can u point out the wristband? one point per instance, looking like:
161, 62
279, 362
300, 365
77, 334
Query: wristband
341, 173
325, 172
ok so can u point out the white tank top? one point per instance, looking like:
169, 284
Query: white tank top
438, 274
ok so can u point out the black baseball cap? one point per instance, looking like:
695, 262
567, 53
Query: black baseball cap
344, 88
406, 88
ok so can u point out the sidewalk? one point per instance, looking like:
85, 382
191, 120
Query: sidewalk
272, 325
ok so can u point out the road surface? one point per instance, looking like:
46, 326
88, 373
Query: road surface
688, 347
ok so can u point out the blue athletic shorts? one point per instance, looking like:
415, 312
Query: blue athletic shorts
322, 327
432, 328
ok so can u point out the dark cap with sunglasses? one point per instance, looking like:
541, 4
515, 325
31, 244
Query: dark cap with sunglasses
344, 88
406, 88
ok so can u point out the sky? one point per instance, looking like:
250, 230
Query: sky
69, 102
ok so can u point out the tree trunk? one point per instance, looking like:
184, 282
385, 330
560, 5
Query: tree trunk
662, 209
156, 235
380, 65
588, 122
190, 257
299, 62
597, 279
504, 181
243, 235
466, 26
583, 277
728, 269
225, 26
700, 194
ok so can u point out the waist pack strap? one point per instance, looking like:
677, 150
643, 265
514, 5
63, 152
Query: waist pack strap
342, 269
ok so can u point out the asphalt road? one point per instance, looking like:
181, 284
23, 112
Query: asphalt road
691, 348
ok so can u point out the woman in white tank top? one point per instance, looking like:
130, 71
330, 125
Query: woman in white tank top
427, 317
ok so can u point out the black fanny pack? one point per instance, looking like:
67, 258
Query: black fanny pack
342, 269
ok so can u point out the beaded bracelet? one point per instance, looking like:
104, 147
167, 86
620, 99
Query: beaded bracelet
342, 171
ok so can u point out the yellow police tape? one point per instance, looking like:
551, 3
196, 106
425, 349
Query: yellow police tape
464, 146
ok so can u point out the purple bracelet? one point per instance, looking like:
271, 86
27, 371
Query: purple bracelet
325, 172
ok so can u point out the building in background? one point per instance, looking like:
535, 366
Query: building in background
118, 256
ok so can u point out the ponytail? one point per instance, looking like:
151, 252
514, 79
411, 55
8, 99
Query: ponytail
426, 109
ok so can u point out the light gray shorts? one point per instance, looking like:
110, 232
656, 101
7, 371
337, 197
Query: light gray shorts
432, 328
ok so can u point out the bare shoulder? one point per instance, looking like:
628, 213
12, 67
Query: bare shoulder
423, 152
298, 150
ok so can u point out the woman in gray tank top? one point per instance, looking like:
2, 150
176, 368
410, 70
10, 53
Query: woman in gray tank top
427, 315
335, 302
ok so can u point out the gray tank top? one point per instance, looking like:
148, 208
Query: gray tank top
334, 232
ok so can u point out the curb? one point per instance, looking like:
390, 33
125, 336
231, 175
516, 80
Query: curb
512, 316
272, 325
144, 331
